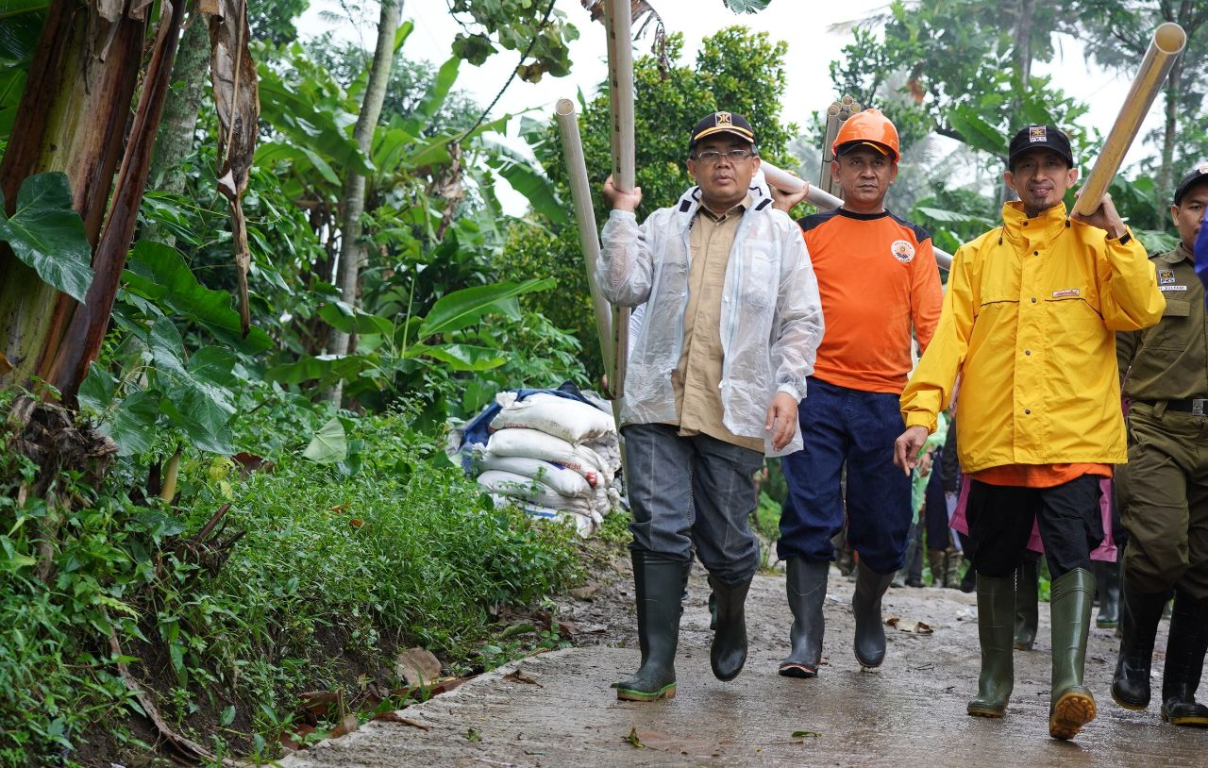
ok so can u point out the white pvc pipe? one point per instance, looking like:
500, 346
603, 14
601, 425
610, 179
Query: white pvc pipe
1168, 42
822, 199
585, 216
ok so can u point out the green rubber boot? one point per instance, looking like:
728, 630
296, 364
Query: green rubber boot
995, 630
1027, 607
658, 588
1072, 706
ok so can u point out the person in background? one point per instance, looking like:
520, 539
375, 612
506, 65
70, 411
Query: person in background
719, 364
1163, 490
1029, 324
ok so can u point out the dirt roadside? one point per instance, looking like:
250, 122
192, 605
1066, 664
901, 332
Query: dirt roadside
559, 711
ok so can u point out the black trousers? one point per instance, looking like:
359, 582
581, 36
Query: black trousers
1000, 524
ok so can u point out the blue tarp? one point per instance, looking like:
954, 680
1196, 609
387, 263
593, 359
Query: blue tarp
1201, 254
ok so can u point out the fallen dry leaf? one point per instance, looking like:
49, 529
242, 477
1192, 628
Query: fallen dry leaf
585, 592
633, 739
417, 666
395, 717
519, 677
349, 724
316, 704
909, 625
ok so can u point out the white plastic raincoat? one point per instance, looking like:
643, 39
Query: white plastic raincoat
771, 314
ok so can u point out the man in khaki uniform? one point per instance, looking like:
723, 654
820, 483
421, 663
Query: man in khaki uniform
1163, 490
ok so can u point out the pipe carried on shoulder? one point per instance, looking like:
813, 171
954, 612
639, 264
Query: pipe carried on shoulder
1168, 42
823, 199
585, 216
617, 21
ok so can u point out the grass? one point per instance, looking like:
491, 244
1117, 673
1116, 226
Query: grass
340, 565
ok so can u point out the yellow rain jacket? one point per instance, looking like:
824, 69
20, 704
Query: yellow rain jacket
1029, 322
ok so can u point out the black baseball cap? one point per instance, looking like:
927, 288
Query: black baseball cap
1043, 137
721, 122
1196, 175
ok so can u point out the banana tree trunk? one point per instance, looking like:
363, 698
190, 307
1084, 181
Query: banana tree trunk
72, 118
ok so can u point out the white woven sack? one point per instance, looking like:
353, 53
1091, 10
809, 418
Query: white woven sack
521, 487
535, 444
584, 525
565, 481
571, 420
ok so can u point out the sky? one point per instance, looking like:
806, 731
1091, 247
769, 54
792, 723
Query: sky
814, 36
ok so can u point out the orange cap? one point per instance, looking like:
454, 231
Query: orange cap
869, 126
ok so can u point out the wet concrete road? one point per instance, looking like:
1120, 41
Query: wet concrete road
909, 713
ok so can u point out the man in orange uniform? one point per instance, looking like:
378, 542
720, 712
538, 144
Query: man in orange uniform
1028, 322
877, 278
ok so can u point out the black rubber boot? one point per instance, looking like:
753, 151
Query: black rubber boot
1072, 705
866, 606
1027, 608
806, 586
995, 631
1139, 624
1108, 578
1185, 662
729, 651
658, 588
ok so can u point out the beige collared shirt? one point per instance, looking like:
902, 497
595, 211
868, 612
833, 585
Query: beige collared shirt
697, 377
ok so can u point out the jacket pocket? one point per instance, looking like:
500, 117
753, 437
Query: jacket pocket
761, 283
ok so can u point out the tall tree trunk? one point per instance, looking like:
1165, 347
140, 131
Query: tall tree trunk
352, 250
1174, 92
72, 118
179, 126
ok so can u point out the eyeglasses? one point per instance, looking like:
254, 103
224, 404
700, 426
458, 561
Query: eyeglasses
713, 158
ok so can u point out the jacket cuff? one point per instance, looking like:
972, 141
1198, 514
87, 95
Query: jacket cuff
622, 215
798, 394
921, 419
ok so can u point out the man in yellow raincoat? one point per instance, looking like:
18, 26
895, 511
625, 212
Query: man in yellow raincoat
1029, 323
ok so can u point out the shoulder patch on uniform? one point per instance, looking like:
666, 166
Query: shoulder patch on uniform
764, 204
902, 250
816, 220
920, 234
685, 205
1165, 276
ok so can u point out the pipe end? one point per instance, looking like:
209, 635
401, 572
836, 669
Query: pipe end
564, 107
1170, 38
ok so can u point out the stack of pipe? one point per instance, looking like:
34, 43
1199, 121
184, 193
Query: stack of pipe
836, 115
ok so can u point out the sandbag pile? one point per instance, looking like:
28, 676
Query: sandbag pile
552, 454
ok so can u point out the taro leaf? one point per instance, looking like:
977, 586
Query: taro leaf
461, 309
160, 524
214, 365
747, 6
201, 418
329, 445
461, 357
96, 392
353, 320
48, 235
158, 272
319, 369
132, 425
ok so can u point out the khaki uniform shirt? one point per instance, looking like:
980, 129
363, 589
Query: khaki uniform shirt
697, 377
1170, 360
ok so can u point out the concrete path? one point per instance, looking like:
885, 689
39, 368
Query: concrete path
909, 714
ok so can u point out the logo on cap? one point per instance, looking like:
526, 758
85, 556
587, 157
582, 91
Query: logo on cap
902, 250
723, 118
1038, 133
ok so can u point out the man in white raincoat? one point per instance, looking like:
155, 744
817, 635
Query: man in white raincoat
715, 374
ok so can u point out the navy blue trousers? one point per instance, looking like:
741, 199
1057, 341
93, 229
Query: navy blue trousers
841, 426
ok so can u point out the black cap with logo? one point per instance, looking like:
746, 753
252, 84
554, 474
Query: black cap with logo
1196, 175
1040, 137
721, 122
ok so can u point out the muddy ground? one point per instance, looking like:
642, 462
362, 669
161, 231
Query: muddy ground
559, 711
